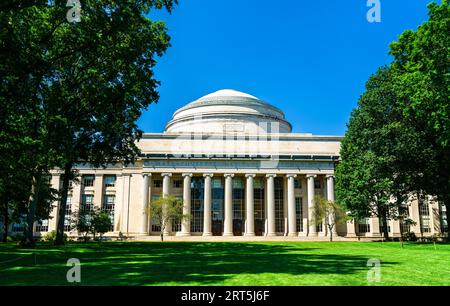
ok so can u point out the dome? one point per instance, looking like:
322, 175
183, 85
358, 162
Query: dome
229, 111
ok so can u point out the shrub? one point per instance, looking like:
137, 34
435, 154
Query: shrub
51, 236
410, 236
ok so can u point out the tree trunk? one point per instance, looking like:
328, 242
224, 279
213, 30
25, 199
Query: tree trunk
330, 229
162, 236
385, 225
5, 221
32, 207
62, 206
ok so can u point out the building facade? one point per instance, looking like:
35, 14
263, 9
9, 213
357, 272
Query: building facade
239, 170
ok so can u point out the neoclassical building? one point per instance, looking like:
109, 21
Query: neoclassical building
240, 171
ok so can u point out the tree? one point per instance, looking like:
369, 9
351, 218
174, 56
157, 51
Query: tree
101, 223
328, 213
82, 221
422, 64
166, 210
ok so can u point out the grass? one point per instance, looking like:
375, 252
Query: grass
226, 263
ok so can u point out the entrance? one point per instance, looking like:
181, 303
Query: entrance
259, 227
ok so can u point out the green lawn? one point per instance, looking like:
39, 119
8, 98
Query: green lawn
226, 263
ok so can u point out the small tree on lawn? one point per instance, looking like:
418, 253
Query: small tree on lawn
101, 223
328, 213
166, 209
82, 221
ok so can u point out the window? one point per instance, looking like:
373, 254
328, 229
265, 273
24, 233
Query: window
157, 183
316, 184
444, 221
197, 198
177, 184
279, 201
297, 183
87, 202
260, 213
110, 180
238, 206
67, 217
364, 226
88, 180
299, 214
176, 223
424, 216
42, 226
108, 206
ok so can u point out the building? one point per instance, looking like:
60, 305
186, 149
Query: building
240, 171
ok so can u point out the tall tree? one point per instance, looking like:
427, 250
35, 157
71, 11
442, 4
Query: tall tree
422, 65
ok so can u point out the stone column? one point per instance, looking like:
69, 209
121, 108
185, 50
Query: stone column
271, 205
375, 227
292, 218
330, 195
125, 202
207, 205
312, 229
415, 216
53, 220
165, 192
98, 191
228, 220
250, 203
351, 231
186, 223
145, 202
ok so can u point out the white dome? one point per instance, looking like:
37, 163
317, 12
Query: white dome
226, 111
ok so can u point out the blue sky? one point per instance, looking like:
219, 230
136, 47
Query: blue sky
309, 58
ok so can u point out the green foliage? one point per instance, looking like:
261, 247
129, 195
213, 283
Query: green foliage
93, 222
165, 210
72, 93
328, 213
51, 236
398, 138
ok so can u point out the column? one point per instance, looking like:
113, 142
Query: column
186, 223
395, 226
271, 204
351, 231
165, 192
125, 202
330, 197
311, 225
228, 220
53, 220
145, 202
98, 190
250, 204
415, 216
207, 205
292, 218
375, 227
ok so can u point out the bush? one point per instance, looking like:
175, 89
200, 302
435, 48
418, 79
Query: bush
410, 236
51, 236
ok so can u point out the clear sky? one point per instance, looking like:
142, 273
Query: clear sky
310, 58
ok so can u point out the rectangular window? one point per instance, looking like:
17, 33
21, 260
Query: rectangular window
110, 180
87, 202
177, 184
364, 226
42, 226
157, 183
316, 184
88, 180
299, 214
444, 221
279, 201
424, 215
67, 217
109, 201
298, 183
176, 223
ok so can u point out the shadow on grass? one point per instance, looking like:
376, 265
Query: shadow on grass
158, 263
